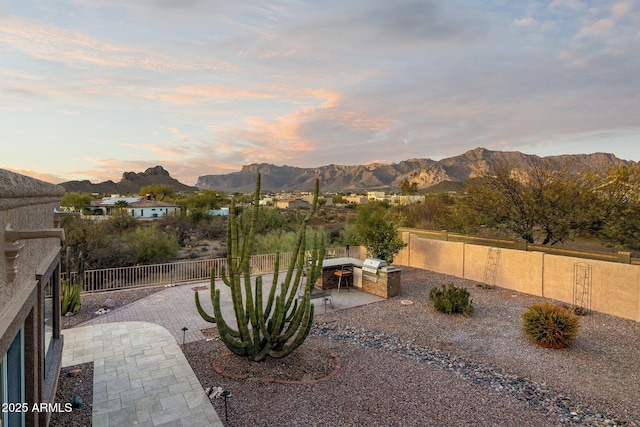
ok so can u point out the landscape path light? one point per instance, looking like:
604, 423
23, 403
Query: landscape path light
184, 333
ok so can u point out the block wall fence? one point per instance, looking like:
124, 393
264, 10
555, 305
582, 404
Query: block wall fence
615, 284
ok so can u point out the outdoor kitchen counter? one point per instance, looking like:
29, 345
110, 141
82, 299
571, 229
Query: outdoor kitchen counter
329, 280
339, 262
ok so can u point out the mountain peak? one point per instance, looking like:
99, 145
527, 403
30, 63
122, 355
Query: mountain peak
378, 176
156, 171
131, 183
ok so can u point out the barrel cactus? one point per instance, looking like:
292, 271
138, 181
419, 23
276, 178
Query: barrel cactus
281, 325
550, 326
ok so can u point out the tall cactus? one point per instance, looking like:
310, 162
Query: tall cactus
281, 325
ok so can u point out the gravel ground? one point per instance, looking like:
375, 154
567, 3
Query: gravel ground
406, 365
74, 381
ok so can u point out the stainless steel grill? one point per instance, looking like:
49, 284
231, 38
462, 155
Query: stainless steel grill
371, 266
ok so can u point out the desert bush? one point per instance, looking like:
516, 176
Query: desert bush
550, 326
451, 299
149, 245
285, 241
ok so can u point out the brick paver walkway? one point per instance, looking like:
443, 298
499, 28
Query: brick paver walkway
140, 376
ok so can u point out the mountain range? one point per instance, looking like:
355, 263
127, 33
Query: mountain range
425, 172
131, 183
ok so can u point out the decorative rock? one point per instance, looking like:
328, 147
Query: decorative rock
533, 394
217, 392
109, 303
75, 373
76, 402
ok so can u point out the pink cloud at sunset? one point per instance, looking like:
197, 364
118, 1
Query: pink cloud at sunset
93, 89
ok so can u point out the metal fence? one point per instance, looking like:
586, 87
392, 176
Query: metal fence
108, 279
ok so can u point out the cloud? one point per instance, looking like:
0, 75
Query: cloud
525, 21
44, 41
207, 86
606, 26
570, 4
607, 38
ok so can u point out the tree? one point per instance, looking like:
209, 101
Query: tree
432, 214
408, 188
118, 241
149, 245
377, 230
205, 200
158, 191
76, 201
338, 198
269, 219
618, 205
546, 203
121, 205
279, 327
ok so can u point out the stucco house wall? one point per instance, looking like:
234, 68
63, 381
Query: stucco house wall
29, 291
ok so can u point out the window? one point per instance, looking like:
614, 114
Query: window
51, 309
12, 382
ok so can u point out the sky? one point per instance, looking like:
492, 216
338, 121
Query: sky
91, 89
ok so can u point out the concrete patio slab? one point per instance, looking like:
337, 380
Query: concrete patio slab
141, 376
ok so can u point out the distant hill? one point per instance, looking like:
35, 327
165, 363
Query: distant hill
425, 172
430, 175
131, 183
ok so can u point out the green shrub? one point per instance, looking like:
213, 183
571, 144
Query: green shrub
451, 299
149, 245
550, 326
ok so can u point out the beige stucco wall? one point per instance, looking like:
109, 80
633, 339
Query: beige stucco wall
615, 286
25, 204
434, 255
517, 270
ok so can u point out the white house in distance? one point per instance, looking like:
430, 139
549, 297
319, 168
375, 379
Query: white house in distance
137, 207
218, 212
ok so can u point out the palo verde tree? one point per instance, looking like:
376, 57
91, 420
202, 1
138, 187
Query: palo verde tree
377, 230
544, 204
408, 188
618, 205
76, 201
281, 325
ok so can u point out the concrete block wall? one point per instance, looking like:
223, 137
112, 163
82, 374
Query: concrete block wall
434, 255
615, 285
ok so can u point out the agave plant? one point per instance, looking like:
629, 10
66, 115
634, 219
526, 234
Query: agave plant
71, 289
281, 325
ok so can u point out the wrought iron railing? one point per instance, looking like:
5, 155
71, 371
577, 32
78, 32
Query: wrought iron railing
108, 279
